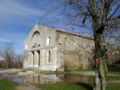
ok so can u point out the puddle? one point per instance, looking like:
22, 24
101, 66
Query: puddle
17, 79
53, 78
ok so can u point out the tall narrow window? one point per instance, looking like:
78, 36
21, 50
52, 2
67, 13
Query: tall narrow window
48, 40
38, 58
26, 47
49, 56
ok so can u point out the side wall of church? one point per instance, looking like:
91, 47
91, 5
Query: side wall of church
74, 51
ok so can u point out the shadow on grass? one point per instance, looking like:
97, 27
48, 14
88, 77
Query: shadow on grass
86, 86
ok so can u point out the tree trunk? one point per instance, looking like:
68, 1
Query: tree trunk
100, 59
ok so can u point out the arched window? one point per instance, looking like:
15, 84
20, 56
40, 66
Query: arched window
36, 36
48, 40
36, 33
36, 39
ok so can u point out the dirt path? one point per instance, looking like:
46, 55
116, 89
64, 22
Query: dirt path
24, 87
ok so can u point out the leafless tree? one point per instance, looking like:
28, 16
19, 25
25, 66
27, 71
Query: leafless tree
7, 54
10, 59
18, 61
99, 14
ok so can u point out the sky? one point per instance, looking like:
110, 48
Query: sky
17, 17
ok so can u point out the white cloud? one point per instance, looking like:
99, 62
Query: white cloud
5, 40
15, 12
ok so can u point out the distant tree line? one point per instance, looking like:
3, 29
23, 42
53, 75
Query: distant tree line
9, 58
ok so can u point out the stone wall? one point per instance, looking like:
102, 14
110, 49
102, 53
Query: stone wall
77, 51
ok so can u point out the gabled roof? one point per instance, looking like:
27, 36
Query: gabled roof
72, 33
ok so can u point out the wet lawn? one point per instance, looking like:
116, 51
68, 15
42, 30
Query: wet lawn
4, 68
76, 86
7, 85
113, 86
62, 86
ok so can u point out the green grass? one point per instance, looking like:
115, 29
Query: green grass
7, 85
114, 73
62, 86
4, 68
23, 70
76, 86
8, 68
113, 86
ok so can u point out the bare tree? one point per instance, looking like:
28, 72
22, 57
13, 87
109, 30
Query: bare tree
99, 14
7, 53
18, 61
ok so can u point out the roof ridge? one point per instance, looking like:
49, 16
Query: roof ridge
73, 33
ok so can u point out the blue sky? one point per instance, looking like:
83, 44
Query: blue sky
17, 17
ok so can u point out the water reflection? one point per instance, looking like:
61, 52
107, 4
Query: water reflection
53, 78
17, 79
42, 79
78, 78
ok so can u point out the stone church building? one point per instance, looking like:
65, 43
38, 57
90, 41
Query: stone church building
48, 48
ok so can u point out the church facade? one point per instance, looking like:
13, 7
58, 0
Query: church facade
48, 48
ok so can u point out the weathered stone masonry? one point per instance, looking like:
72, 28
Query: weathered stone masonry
48, 48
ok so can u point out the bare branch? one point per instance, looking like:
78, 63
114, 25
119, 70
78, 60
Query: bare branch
117, 17
113, 12
82, 13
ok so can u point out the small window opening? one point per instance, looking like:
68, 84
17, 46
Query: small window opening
49, 56
48, 40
